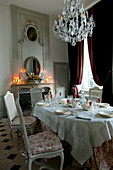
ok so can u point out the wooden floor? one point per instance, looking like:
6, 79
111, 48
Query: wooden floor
11, 157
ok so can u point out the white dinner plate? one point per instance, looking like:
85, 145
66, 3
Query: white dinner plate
62, 112
106, 114
41, 104
103, 104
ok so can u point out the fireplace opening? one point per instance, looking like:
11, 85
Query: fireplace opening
25, 99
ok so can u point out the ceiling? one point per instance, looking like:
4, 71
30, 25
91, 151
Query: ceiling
51, 7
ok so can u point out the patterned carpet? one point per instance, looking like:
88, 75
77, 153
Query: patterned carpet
11, 157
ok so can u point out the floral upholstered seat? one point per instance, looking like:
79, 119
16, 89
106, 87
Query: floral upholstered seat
44, 142
41, 145
28, 120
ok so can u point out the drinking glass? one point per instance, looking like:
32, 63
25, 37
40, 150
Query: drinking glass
90, 103
99, 100
46, 98
60, 94
68, 101
75, 95
51, 96
70, 97
73, 103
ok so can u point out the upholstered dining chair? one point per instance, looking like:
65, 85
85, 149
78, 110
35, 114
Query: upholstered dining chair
95, 93
41, 145
36, 95
12, 113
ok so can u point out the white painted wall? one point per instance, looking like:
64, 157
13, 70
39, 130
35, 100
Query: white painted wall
58, 48
58, 52
5, 48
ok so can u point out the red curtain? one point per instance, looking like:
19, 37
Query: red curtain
100, 52
80, 63
92, 62
75, 54
97, 47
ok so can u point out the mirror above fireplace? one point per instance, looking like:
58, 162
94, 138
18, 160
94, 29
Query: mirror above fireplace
32, 66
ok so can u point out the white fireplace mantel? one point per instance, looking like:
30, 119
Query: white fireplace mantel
18, 86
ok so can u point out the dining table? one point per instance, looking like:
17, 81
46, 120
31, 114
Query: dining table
82, 129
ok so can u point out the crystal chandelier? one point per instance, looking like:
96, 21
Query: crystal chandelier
73, 25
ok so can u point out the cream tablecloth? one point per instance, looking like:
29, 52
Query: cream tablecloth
81, 134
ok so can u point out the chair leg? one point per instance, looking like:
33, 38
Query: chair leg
11, 136
29, 164
62, 160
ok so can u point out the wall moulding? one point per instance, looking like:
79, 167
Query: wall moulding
25, 21
31, 33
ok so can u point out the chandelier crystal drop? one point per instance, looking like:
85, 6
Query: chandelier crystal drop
73, 25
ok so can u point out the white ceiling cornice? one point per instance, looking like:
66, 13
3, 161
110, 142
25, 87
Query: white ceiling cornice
92, 4
4, 3
51, 7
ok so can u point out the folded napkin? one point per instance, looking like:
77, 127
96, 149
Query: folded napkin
85, 115
105, 114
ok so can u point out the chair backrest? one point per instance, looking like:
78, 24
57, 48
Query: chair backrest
95, 93
36, 95
10, 106
26, 140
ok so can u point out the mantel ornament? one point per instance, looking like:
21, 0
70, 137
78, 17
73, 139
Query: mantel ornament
31, 33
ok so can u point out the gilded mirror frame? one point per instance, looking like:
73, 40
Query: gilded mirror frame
26, 62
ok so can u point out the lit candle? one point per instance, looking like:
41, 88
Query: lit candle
16, 79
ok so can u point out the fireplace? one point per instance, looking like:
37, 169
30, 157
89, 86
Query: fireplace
25, 98
22, 92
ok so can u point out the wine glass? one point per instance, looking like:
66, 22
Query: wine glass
68, 101
99, 100
51, 96
75, 95
60, 94
51, 101
90, 103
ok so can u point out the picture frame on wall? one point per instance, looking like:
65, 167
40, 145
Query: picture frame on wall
31, 33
